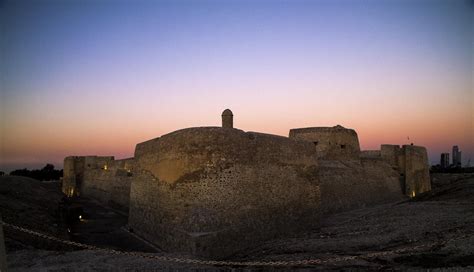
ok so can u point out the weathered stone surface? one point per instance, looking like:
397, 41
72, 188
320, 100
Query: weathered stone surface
227, 119
417, 175
412, 164
347, 185
374, 154
102, 178
331, 142
109, 182
212, 191
73, 173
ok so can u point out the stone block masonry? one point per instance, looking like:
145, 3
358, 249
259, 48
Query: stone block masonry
213, 191
331, 142
102, 178
411, 162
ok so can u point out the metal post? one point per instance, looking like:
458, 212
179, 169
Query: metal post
3, 253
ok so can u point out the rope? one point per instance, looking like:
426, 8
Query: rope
306, 262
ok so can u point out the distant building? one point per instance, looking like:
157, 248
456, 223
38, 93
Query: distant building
456, 156
444, 162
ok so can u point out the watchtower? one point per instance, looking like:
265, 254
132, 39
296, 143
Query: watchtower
227, 119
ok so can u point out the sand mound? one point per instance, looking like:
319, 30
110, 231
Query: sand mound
31, 204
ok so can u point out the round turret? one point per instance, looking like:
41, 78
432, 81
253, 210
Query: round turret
227, 119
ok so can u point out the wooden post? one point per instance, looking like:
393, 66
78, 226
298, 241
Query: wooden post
3, 252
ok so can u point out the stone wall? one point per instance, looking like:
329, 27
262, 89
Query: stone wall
349, 178
417, 173
213, 191
73, 174
102, 178
412, 164
330, 142
108, 181
393, 155
371, 154
347, 185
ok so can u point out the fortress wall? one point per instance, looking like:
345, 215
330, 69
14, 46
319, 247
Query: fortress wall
97, 162
391, 154
99, 177
412, 164
417, 175
375, 154
69, 180
73, 173
330, 142
214, 191
347, 185
146, 147
386, 182
108, 181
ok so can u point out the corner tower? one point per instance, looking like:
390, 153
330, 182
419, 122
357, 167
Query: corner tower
335, 142
227, 119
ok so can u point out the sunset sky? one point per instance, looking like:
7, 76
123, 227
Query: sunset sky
98, 77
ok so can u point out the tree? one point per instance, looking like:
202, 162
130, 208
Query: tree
49, 168
46, 173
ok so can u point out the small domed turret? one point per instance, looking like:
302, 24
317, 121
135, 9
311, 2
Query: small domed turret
227, 119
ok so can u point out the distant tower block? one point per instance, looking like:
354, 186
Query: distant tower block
227, 119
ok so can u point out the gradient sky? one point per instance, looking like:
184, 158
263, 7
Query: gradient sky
98, 77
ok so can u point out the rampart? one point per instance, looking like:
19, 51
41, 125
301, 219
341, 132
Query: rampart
102, 178
211, 191
347, 185
330, 142
73, 174
411, 162
348, 177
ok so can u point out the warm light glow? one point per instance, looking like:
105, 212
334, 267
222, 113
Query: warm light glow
413, 194
372, 66
105, 167
80, 217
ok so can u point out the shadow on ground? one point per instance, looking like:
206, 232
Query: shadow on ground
439, 225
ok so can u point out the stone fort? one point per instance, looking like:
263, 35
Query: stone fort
213, 191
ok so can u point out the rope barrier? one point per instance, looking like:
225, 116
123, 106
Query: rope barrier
307, 262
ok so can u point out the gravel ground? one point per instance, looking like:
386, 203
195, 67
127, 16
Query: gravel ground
434, 231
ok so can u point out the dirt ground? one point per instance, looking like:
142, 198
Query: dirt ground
434, 231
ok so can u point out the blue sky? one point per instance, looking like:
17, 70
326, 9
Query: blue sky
97, 77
